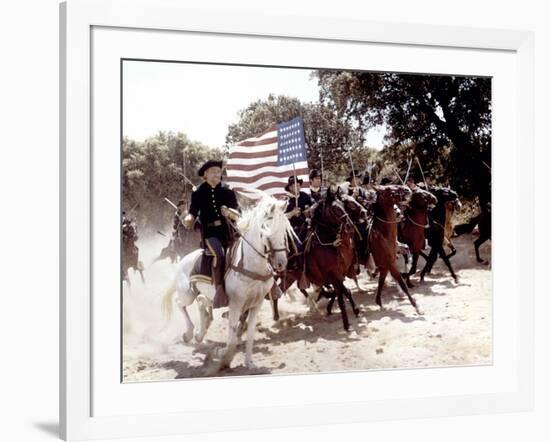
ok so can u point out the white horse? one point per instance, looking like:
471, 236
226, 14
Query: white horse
261, 249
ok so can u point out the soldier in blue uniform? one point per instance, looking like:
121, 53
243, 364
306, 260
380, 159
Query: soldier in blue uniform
315, 188
210, 203
355, 190
298, 204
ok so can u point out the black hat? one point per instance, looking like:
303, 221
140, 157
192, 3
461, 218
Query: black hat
350, 177
428, 175
314, 173
208, 165
180, 203
366, 178
291, 181
384, 181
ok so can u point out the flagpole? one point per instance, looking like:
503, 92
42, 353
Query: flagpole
295, 181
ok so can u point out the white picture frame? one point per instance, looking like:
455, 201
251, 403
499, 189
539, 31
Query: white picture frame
77, 376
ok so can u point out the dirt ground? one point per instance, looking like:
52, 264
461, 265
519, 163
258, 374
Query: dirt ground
454, 329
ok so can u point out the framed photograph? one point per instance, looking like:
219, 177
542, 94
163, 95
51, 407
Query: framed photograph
290, 216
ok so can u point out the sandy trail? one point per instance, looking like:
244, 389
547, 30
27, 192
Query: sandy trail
455, 328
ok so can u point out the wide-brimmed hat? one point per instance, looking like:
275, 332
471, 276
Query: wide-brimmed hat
358, 175
384, 181
208, 165
314, 173
291, 181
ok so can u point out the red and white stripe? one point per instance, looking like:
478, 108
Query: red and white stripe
252, 164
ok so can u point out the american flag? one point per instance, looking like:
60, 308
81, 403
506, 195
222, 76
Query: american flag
265, 162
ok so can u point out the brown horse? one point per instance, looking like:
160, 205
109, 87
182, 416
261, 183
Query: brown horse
356, 214
382, 239
330, 252
411, 229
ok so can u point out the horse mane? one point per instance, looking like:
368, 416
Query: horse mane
253, 217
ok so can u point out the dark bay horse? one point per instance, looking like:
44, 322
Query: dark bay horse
382, 240
130, 251
330, 252
356, 213
436, 232
483, 221
411, 230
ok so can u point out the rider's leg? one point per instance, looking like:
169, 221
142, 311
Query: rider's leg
216, 249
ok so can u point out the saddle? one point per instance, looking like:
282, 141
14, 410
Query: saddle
202, 268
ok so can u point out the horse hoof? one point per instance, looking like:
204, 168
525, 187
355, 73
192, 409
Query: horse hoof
199, 337
356, 311
187, 336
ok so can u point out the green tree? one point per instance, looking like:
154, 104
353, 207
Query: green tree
151, 170
445, 121
325, 133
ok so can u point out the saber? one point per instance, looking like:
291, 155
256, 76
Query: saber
352, 166
422, 172
171, 203
160, 233
132, 209
398, 176
408, 169
322, 168
188, 181
486, 165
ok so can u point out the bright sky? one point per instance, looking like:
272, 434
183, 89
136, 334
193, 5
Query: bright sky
202, 100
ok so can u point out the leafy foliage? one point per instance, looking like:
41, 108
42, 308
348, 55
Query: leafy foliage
445, 121
151, 170
325, 133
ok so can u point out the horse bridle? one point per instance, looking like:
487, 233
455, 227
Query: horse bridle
337, 230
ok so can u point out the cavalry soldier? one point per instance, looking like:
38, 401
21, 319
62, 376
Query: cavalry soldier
129, 231
428, 181
315, 189
354, 189
130, 252
411, 182
298, 204
178, 235
210, 203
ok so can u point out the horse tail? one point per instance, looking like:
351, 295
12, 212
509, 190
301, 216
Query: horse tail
167, 301
468, 227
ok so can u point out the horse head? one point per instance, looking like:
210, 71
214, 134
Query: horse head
356, 211
331, 212
267, 224
445, 195
422, 200
393, 194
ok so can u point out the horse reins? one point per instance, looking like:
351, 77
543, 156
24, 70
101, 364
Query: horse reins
239, 268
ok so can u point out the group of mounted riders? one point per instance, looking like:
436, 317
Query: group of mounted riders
337, 229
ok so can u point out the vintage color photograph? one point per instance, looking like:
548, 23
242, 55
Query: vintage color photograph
279, 220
